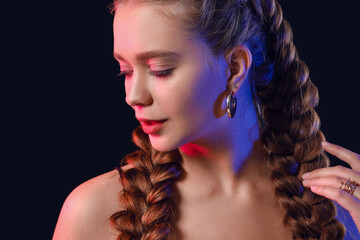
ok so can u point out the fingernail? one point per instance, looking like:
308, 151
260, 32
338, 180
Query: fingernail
314, 187
305, 175
324, 143
306, 182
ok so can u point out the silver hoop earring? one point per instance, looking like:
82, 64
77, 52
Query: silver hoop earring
231, 105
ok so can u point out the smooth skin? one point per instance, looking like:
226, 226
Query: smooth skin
227, 193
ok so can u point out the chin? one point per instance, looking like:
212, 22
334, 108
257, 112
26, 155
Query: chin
161, 144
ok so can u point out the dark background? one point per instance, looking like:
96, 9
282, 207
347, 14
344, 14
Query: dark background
67, 118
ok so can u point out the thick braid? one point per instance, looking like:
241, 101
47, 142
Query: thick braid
149, 211
292, 137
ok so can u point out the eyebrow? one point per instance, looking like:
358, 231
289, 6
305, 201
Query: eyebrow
150, 54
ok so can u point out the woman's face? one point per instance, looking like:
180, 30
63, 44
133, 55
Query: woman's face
168, 77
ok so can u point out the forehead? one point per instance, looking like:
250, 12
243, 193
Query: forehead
141, 28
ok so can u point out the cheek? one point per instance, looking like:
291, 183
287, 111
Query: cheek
189, 100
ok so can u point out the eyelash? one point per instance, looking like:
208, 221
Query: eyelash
158, 74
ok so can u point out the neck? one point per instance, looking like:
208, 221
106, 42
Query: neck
222, 161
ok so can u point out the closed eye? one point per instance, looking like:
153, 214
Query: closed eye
162, 74
125, 73
158, 74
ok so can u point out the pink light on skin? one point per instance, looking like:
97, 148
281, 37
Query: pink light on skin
195, 150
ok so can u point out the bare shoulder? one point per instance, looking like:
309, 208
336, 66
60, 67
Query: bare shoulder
86, 211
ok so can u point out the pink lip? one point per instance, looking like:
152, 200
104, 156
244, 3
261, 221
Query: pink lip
151, 126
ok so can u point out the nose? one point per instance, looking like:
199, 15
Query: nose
137, 91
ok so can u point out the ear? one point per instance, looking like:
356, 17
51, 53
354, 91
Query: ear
239, 61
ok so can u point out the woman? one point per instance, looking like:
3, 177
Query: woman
230, 146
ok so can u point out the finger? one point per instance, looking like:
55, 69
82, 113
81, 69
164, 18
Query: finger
345, 199
352, 158
332, 181
338, 171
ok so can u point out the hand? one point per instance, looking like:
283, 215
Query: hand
329, 182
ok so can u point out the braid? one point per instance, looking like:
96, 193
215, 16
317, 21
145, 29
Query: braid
291, 135
147, 189
285, 97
